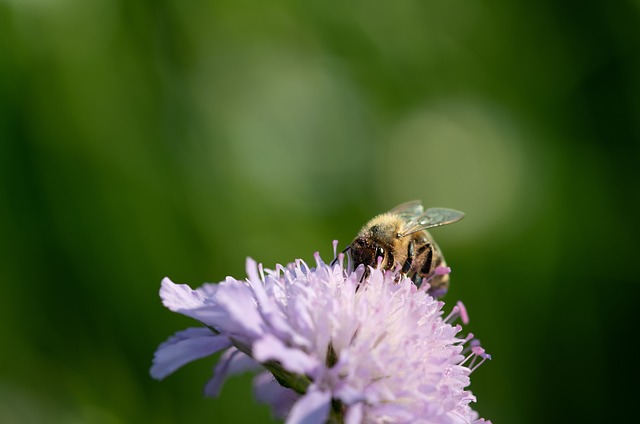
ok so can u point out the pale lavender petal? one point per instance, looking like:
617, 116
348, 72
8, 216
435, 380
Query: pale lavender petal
354, 414
179, 297
244, 319
213, 317
197, 304
312, 408
251, 268
231, 362
184, 347
267, 390
399, 412
348, 395
266, 306
295, 360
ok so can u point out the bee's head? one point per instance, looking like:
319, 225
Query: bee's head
365, 251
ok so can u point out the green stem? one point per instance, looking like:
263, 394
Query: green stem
295, 382
336, 414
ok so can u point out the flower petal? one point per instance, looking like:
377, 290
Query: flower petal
231, 362
183, 299
348, 395
354, 414
266, 305
242, 316
267, 390
295, 360
186, 346
180, 296
312, 408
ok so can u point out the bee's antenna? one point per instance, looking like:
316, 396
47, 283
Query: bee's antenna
335, 259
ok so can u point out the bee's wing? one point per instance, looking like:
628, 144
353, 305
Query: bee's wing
408, 210
433, 217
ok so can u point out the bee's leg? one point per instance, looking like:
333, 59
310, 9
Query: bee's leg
423, 257
391, 260
439, 283
410, 254
426, 265
417, 280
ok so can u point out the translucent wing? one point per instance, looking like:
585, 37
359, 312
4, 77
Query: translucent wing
408, 210
433, 217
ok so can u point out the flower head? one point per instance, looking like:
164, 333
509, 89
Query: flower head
331, 342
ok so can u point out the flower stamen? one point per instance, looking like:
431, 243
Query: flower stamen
458, 311
476, 352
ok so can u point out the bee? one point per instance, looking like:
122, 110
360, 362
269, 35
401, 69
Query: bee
399, 238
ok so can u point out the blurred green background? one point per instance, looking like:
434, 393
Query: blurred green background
148, 138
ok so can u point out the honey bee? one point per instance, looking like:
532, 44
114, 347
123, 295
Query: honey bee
399, 238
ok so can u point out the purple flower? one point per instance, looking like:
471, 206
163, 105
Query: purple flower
332, 344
